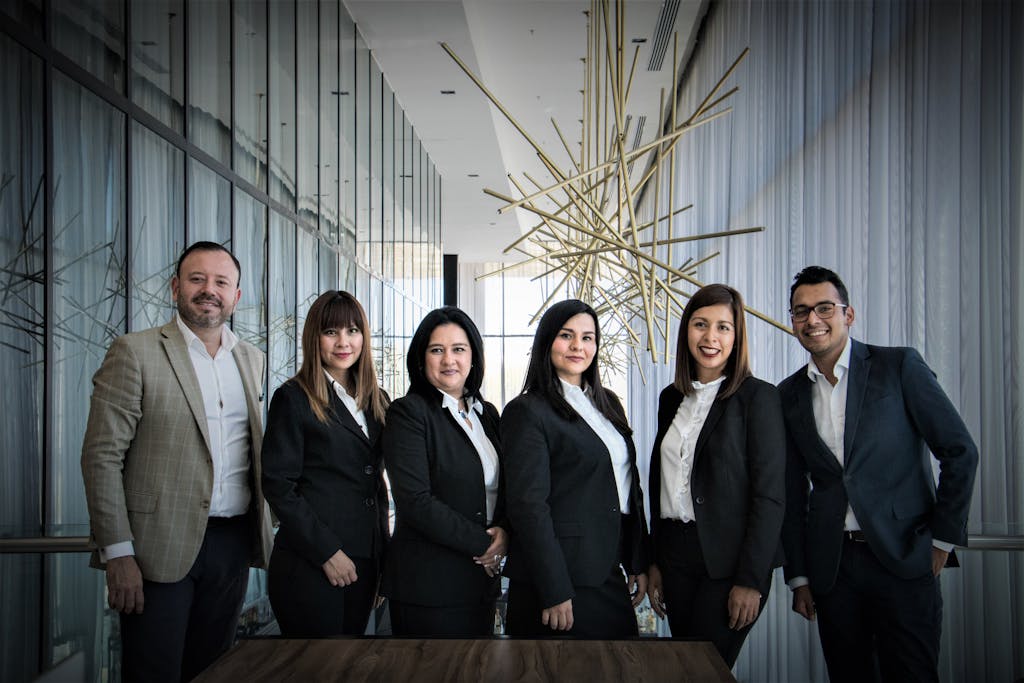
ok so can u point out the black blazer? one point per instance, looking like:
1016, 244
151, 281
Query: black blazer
563, 503
324, 481
440, 505
895, 412
737, 482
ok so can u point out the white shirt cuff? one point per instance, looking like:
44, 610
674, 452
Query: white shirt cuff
116, 550
796, 582
942, 545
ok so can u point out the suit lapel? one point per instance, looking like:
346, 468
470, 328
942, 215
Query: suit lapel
345, 417
856, 385
805, 411
181, 366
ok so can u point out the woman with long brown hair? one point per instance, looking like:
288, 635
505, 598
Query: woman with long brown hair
322, 475
717, 480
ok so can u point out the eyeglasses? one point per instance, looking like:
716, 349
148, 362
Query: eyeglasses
824, 310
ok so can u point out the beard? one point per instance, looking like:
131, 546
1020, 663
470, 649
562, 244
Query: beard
196, 317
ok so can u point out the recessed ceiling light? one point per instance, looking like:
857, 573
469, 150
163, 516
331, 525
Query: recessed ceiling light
639, 40
447, 92
473, 175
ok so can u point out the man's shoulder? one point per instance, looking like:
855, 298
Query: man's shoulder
791, 383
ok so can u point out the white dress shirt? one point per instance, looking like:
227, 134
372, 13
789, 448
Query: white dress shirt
829, 404
227, 422
613, 440
484, 448
678, 448
358, 415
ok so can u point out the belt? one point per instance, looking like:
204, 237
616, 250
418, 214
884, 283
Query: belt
857, 536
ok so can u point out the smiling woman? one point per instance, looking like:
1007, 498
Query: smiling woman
441, 452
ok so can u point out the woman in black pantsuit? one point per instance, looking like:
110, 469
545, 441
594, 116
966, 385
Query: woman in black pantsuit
717, 480
322, 476
441, 450
577, 555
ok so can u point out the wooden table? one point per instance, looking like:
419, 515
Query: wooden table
490, 659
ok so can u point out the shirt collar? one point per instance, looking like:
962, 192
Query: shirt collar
228, 339
700, 386
842, 364
452, 403
337, 386
568, 387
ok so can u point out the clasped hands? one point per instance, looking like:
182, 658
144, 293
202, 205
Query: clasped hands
495, 553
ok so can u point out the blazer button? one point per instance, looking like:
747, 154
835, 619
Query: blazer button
615, 509
368, 470
369, 502
699, 500
479, 515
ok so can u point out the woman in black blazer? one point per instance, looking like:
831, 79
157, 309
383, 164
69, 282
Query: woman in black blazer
440, 448
717, 480
578, 551
322, 476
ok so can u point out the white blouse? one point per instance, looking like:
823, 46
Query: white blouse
484, 448
350, 403
677, 451
613, 440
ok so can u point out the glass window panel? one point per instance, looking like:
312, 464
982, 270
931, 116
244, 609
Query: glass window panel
328, 267
347, 113
491, 387
250, 83
376, 257
515, 359
282, 102
158, 59
363, 171
306, 83
89, 310
209, 205
209, 78
281, 301
387, 176
91, 33
20, 596
250, 248
329, 122
157, 225
22, 300
347, 274
307, 280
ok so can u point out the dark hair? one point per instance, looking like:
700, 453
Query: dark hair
815, 275
418, 382
338, 310
737, 366
542, 379
207, 246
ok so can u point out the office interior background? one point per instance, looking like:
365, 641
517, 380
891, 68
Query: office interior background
880, 138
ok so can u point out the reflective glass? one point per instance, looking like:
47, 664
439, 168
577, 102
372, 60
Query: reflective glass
157, 225
89, 312
375, 236
282, 102
328, 267
306, 85
250, 83
158, 59
209, 205
347, 151
281, 301
306, 281
28, 12
249, 246
209, 78
387, 177
330, 94
363, 147
22, 302
91, 33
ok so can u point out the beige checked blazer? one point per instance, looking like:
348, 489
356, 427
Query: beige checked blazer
146, 457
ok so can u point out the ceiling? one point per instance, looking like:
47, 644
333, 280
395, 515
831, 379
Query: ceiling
529, 54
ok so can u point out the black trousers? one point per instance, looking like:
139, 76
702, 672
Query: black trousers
308, 606
875, 626
186, 625
697, 605
458, 621
599, 612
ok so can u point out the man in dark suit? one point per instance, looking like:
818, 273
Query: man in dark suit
865, 542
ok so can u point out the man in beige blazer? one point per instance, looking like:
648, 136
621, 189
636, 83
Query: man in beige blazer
171, 463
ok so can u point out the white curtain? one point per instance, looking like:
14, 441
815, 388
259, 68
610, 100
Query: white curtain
883, 140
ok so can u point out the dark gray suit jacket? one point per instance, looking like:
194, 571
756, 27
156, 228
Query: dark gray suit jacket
737, 482
895, 412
